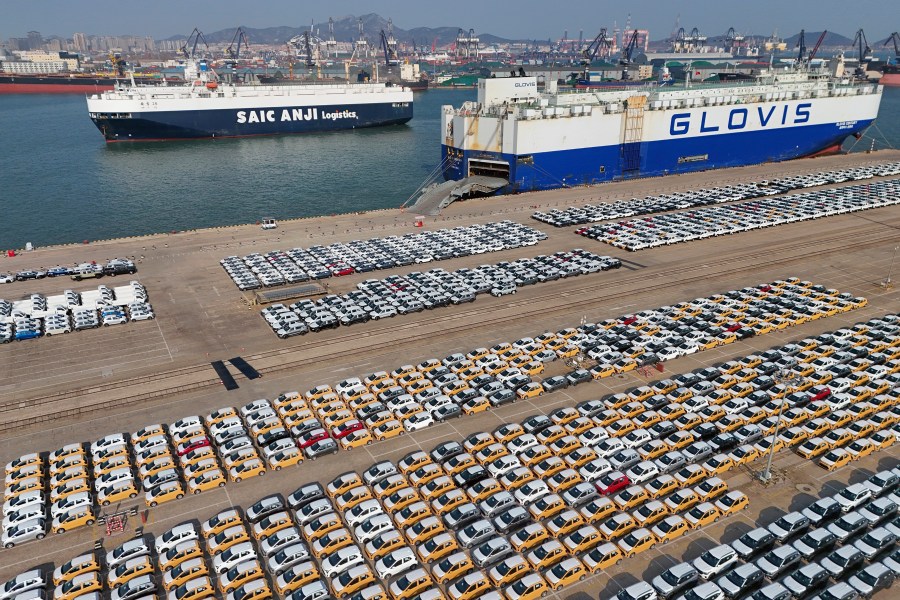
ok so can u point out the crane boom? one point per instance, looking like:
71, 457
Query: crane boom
815, 49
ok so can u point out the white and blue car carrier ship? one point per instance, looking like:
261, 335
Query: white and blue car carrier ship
206, 108
515, 139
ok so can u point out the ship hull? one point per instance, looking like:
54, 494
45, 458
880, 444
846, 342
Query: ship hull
890, 78
193, 125
627, 134
567, 168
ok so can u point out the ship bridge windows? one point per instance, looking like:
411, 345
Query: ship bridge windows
489, 168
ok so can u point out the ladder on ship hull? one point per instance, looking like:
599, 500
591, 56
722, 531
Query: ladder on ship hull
630, 150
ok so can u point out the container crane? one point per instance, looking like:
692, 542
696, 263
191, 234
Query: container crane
389, 46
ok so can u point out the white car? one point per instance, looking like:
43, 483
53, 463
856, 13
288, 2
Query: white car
418, 421
114, 318
176, 535
234, 555
7, 278
397, 562
24, 532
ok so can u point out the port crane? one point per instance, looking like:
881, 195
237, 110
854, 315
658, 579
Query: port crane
627, 52
860, 41
309, 48
895, 39
193, 41
389, 45
590, 53
233, 51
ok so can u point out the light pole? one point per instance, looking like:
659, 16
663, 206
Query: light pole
887, 282
788, 379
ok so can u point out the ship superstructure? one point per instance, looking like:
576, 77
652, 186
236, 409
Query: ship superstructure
527, 140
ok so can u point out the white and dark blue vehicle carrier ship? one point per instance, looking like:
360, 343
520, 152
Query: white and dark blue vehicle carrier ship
206, 108
515, 139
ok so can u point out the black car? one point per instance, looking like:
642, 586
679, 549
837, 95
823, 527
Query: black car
305, 494
518, 381
705, 431
470, 476
501, 397
588, 408
536, 423
723, 442
446, 450
119, 267
754, 542
369, 410
557, 382
317, 449
446, 411
512, 519
578, 376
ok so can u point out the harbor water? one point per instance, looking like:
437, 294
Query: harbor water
61, 183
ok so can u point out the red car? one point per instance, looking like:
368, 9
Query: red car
612, 482
345, 428
342, 271
629, 320
765, 288
733, 327
192, 445
819, 392
311, 437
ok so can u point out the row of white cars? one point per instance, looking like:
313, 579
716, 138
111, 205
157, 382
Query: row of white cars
684, 226
296, 265
39, 315
580, 215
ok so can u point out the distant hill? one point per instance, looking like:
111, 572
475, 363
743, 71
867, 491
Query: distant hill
346, 30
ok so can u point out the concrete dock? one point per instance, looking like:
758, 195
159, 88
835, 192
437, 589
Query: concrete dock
82, 386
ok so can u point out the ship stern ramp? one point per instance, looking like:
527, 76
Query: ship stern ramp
438, 196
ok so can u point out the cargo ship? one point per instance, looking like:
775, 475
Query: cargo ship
890, 75
13, 83
515, 138
205, 107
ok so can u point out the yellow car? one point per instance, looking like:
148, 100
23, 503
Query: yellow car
435, 548
546, 555
286, 458
732, 502
475, 405
565, 573
546, 507
530, 390
565, 523
702, 514
331, 542
681, 500
835, 459
384, 544
79, 517
528, 537
128, 570
661, 486
636, 542
80, 585
171, 490
356, 439
184, 551
246, 470
670, 528
453, 566
207, 480
602, 371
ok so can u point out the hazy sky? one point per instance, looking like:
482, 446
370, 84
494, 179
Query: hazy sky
537, 19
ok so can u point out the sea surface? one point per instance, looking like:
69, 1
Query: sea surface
61, 183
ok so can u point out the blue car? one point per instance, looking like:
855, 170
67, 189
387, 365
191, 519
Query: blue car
57, 272
27, 334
